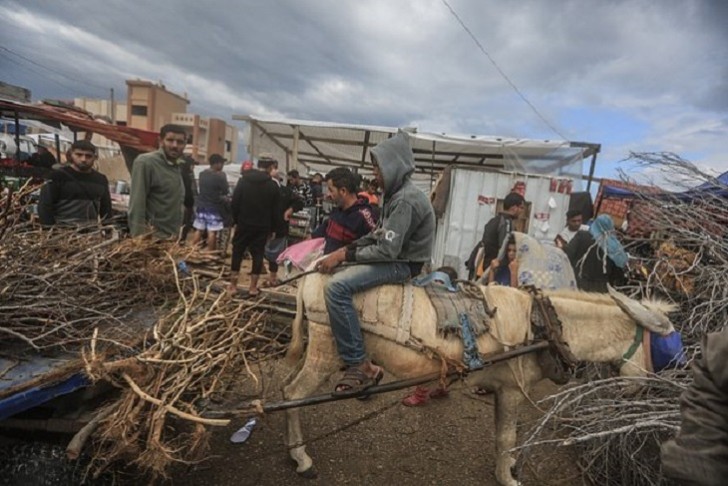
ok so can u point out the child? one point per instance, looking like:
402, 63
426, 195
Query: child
505, 271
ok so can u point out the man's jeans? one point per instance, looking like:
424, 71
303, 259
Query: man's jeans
339, 293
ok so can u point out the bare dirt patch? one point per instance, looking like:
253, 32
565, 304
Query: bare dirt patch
447, 441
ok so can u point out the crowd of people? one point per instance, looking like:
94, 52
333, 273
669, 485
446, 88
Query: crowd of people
374, 243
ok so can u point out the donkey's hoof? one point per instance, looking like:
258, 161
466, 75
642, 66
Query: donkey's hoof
309, 473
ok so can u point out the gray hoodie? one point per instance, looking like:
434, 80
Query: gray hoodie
407, 227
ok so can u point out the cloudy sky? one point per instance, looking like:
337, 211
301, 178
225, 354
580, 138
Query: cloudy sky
632, 75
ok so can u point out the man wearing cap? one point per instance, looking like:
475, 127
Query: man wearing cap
214, 195
256, 214
157, 190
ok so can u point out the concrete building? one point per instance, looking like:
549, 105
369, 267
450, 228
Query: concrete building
14, 93
150, 106
102, 108
207, 136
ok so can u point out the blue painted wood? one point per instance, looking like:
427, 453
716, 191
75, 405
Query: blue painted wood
33, 397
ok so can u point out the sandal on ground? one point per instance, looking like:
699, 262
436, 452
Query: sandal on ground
355, 381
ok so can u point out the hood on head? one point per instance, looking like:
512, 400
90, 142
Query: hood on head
395, 160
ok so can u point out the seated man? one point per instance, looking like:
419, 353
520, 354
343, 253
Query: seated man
352, 217
393, 253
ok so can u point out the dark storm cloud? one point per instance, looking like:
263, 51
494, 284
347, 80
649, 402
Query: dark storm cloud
391, 63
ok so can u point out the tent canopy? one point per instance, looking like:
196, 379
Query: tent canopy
319, 146
717, 188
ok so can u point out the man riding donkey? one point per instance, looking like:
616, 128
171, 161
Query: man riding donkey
395, 252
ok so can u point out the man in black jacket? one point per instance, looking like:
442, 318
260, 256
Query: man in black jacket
256, 214
76, 193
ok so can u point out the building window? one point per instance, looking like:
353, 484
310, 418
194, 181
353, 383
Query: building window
228, 146
138, 110
189, 139
121, 123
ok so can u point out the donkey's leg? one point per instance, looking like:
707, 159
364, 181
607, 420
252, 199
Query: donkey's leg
320, 362
506, 417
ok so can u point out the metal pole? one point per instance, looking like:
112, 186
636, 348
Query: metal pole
591, 171
17, 136
296, 132
113, 108
58, 148
432, 166
375, 390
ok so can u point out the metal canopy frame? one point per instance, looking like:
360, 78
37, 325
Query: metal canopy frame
303, 143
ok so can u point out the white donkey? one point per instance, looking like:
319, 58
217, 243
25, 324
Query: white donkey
594, 326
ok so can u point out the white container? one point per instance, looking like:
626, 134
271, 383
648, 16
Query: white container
473, 201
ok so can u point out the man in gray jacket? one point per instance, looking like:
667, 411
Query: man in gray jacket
392, 253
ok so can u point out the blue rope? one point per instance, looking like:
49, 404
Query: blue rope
471, 356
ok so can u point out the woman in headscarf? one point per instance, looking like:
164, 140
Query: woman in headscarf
597, 256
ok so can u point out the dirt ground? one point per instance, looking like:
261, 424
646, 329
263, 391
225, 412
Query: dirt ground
378, 442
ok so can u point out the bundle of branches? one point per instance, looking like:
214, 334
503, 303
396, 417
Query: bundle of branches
686, 261
200, 345
13, 205
688, 255
57, 285
615, 424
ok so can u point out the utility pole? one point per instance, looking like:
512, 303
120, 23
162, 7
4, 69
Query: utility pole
113, 108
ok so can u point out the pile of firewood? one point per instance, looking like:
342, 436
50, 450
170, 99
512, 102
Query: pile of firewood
199, 346
135, 316
58, 285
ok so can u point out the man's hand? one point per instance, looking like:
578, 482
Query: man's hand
287, 215
494, 264
560, 242
328, 264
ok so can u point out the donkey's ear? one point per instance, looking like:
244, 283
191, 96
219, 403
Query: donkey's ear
654, 321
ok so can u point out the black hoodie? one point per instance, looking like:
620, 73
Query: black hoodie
256, 202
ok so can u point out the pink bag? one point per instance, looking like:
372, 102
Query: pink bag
302, 254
